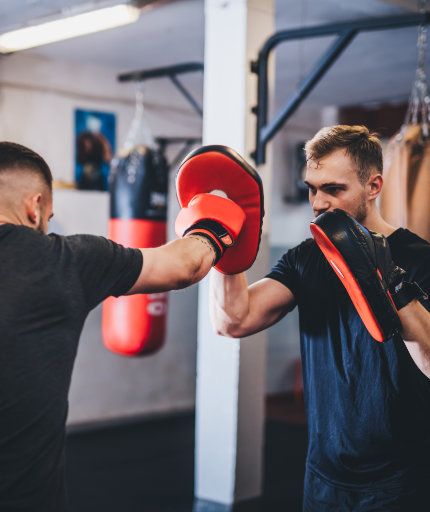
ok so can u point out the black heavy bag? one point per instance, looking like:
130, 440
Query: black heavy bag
135, 324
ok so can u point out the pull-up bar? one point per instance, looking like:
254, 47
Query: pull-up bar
346, 32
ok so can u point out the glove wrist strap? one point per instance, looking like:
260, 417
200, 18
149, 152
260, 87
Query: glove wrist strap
215, 233
405, 292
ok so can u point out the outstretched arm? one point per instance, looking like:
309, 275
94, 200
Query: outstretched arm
209, 226
175, 265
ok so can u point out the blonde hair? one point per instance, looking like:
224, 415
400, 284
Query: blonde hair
362, 146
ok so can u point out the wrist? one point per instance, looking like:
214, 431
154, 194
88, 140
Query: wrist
405, 292
206, 242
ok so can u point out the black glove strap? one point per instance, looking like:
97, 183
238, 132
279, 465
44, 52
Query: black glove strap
405, 292
217, 230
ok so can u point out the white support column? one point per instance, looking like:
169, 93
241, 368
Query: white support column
231, 373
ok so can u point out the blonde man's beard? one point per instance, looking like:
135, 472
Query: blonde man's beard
361, 213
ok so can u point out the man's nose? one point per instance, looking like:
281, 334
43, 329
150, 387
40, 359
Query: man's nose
320, 203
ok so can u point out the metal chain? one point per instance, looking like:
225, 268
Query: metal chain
139, 132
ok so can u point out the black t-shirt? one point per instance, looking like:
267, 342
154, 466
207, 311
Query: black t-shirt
368, 404
48, 285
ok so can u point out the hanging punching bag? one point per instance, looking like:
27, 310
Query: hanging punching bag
400, 158
419, 193
404, 197
135, 325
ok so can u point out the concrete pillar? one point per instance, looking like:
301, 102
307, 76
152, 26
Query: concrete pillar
231, 373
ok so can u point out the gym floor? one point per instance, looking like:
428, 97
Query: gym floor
148, 466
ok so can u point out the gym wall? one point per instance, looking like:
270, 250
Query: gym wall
37, 100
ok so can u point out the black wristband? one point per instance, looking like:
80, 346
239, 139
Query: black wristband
211, 230
217, 229
405, 292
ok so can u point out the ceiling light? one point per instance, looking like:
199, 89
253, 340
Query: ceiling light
66, 28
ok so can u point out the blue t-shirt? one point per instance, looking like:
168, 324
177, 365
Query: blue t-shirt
368, 404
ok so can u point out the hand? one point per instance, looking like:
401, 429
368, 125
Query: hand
216, 218
219, 168
362, 261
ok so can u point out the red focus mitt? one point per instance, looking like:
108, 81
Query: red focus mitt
219, 168
362, 261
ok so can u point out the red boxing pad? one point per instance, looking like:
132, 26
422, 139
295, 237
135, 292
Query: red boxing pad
220, 168
359, 259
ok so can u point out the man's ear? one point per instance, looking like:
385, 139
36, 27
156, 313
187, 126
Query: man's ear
33, 208
374, 186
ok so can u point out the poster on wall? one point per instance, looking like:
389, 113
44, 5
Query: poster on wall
94, 148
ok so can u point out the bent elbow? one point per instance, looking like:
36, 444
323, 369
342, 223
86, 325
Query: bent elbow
235, 333
226, 323
228, 330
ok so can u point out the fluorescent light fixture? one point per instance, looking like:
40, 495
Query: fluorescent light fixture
66, 28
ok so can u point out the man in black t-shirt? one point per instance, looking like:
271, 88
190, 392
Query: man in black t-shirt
48, 285
368, 403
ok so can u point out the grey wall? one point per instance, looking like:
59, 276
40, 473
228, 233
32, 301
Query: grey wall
37, 100
106, 385
45, 93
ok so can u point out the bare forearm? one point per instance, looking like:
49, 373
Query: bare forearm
193, 257
229, 301
175, 265
415, 321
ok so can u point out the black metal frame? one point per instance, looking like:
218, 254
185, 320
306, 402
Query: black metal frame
170, 72
346, 32
188, 143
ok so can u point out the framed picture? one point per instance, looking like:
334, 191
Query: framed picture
94, 148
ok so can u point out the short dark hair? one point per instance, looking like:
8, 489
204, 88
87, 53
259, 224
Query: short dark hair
16, 157
361, 145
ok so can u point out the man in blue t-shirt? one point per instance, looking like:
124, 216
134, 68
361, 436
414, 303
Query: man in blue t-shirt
368, 403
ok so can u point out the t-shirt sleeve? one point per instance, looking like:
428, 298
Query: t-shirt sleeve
104, 267
285, 272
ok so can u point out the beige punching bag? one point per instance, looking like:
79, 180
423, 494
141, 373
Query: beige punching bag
406, 191
398, 159
405, 195
419, 193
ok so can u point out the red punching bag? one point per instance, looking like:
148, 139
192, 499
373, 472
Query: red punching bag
135, 325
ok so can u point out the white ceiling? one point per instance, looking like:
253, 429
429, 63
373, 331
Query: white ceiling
377, 66
166, 33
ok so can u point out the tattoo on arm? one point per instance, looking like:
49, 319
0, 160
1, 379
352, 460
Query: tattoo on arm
205, 242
